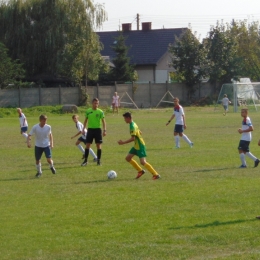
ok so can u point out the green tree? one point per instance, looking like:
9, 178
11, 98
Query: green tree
123, 70
189, 60
10, 71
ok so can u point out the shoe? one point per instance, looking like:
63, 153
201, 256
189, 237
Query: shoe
256, 162
85, 162
140, 174
98, 163
243, 166
53, 170
38, 174
191, 145
83, 157
177, 147
257, 217
155, 177
95, 160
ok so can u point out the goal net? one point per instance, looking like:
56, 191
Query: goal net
241, 94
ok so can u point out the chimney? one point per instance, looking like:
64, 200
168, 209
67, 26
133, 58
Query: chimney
126, 27
147, 26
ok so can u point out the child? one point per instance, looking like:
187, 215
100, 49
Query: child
79, 126
23, 123
243, 147
115, 103
180, 124
225, 103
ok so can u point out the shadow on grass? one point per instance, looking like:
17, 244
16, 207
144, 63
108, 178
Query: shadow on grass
216, 223
212, 170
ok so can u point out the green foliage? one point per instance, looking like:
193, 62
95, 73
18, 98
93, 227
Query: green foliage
10, 70
122, 71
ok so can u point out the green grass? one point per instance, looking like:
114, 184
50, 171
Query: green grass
203, 207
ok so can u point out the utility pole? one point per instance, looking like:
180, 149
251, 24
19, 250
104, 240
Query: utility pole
138, 21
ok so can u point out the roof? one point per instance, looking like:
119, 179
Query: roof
146, 47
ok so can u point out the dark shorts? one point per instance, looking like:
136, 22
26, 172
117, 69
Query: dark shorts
24, 129
39, 151
178, 129
94, 133
225, 107
244, 145
140, 153
81, 139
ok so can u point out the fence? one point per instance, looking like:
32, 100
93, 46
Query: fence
144, 95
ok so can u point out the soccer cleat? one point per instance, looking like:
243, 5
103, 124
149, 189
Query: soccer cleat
98, 162
177, 147
243, 166
95, 160
191, 145
258, 217
155, 177
140, 174
85, 162
53, 170
256, 162
38, 174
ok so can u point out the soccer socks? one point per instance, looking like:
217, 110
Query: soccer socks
86, 154
39, 168
92, 153
25, 135
99, 151
177, 140
242, 158
251, 156
186, 139
81, 148
150, 168
135, 165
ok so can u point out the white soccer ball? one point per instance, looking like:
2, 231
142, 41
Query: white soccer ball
111, 174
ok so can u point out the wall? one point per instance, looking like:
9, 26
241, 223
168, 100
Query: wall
144, 95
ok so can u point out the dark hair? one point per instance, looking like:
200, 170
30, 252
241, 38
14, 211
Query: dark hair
42, 117
127, 114
94, 99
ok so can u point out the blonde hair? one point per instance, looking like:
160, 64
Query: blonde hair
75, 116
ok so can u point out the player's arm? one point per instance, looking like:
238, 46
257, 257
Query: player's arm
184, 121
51, 140
127, 141
104, 127
79, 133
29, 141
249, 129
173, 115
84, 125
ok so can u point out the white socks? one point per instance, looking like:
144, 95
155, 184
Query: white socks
242, 158
90, 150
251, 156
177, 140
186, 139
25, 135
81, 148
39, 168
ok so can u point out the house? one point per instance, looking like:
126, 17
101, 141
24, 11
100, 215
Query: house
148, 50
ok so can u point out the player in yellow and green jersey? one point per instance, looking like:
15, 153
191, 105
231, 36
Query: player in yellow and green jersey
138, 148
94, 117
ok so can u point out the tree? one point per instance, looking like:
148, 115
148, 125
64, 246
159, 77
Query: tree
189, 60
10, 71
48, 36
123, 70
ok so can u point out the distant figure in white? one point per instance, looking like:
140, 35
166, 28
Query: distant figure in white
115, 103
82, 139
23, 123
180, 124
225, 103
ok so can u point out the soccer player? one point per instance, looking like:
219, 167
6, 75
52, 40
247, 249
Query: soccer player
43, 143
138, 149
180, 124
79, 126
23, 123
246, 136
225, 103
115, 103
94, 117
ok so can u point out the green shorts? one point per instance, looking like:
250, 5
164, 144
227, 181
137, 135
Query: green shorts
140, 153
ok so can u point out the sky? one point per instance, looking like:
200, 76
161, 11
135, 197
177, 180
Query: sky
199, 15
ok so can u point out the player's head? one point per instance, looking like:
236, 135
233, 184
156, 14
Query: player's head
225, 95
128, 117
42, 119
115, 93
176, 101
19, 110
244, 112
95, 103
75, 118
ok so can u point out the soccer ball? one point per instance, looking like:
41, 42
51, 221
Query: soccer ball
111, 174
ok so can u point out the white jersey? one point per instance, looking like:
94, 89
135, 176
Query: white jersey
23, 121
116, 100
41, 135
79, 126
179, 113
246, 123
225, 101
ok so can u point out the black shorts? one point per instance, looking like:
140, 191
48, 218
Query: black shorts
178, 129
94, 133
244, 145
81, 139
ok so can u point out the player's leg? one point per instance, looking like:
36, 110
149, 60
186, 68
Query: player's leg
176, 138
98, 141
242, 150
129, 158
24, 132
48, 155
89, 140
150, 168
251, 156
38, 154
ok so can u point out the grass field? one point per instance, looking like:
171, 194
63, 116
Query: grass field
203, 207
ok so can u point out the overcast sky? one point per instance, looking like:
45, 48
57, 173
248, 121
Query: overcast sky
200, 14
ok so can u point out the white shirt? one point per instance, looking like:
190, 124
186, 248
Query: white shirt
225, 101
79, 126
42, 135
115, 100
245, 125
179, 113
23, 121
